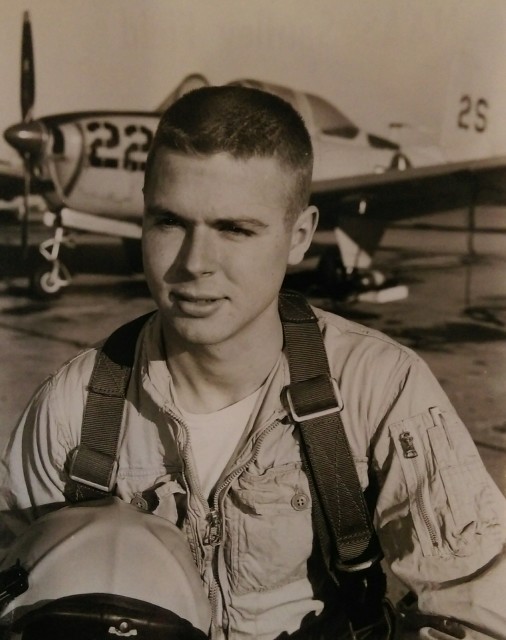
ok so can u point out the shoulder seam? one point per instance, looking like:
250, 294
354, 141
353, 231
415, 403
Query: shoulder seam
354, 328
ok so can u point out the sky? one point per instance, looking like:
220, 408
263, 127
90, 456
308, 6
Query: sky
379, 62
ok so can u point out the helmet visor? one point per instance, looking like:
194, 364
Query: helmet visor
100, 616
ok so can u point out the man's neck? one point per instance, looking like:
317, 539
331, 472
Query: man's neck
210, 377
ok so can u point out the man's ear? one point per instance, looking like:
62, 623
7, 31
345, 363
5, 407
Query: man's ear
302, 234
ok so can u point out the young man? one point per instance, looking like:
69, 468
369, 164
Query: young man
207, 441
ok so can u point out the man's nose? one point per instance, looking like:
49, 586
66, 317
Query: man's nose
199, 252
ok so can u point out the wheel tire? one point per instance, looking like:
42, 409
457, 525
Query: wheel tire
41, 284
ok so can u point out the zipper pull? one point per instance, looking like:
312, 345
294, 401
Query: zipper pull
213, 533
408, 448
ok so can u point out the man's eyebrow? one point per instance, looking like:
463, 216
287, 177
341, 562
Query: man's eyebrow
241, 221
155, 210
159, 211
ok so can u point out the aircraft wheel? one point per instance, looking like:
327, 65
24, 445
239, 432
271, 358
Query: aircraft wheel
45, 283
371, 279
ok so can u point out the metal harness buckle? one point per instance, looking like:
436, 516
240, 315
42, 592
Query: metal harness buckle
107, 488
316, 414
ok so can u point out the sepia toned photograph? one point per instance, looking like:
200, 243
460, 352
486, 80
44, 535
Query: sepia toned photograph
253, 319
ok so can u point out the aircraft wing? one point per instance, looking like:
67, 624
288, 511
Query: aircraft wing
397, 194
359, 208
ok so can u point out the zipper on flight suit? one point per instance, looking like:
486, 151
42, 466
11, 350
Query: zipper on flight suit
188, 468
214, 532
212, 535
212, 516
214, 526
410, 453
215, 520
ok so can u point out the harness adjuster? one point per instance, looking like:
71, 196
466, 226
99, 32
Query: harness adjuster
302, 417
86, 461
359, 566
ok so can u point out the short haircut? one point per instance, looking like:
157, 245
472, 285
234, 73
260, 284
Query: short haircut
244, 122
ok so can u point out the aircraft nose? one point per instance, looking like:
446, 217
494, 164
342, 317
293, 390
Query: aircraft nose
26, 137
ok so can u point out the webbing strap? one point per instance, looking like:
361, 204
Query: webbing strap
341, 517
93, 463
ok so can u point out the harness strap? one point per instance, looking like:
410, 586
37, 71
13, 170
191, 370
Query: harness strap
93, 464
342, 520
341, 517
348, 543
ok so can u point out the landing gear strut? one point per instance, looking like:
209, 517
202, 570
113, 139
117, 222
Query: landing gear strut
366, 285
341, 282
50, 277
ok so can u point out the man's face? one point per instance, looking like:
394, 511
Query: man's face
216, 243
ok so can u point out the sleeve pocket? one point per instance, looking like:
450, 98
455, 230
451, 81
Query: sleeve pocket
450, 497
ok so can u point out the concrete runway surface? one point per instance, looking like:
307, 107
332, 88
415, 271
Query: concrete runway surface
454, 316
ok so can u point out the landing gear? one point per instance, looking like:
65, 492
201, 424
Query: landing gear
341, 282
366, 285
47, 280
51, 276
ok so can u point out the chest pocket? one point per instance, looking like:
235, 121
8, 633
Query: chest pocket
269, 522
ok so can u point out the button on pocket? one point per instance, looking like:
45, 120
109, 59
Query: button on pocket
300, 501
270, 535
145, 500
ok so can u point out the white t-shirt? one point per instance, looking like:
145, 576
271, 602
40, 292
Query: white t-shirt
214, 437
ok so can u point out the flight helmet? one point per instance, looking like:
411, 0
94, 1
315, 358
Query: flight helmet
103, 570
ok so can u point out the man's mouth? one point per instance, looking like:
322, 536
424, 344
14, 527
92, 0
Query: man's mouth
199, 305
197, 299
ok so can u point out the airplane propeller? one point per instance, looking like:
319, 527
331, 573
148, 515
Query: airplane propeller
27, 70
28, 136
27, 102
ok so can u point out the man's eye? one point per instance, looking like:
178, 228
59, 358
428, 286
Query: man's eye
168, 221
235, 230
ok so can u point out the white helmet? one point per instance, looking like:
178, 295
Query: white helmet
105, 569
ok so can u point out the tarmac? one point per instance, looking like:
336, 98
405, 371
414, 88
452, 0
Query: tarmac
454, 315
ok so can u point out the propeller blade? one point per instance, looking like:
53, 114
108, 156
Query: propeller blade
25, 220
27, 70
27, 103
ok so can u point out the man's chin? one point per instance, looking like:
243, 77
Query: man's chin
196, 331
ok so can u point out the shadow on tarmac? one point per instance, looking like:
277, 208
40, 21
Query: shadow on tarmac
444, 337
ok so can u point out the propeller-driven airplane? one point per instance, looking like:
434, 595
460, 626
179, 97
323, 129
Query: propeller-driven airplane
88, 167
